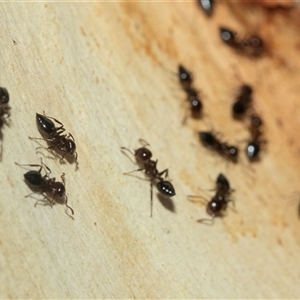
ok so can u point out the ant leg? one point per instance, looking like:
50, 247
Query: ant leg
30, 166
209, 222
60, 161
151, 199
144, 143
163, 172
191, 197
69, 207
32, 138
1, 151
76, 156
48, 170
140, 169
63, 178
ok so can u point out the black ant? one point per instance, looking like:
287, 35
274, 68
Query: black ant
4, 111
243, 101
251, 45
143, 158
212, 142
52, 190
186, 81
253, 147
53, 135
207, 6
217, 206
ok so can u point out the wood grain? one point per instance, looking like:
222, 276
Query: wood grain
105, 70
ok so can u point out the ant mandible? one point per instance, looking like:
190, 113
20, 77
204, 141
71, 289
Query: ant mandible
143, 157
53, 135
53, 191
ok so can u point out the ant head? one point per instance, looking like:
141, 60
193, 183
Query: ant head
70, 146
252, 151
44, 124
215, 206
59, 190
4, 96
34, 178
166, 188
227, 35
142, 155
222, 182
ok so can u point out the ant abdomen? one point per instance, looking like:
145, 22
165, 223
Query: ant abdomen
34, 178
166, 188
44, 124
4, 96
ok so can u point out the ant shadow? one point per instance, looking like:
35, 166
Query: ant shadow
167, 203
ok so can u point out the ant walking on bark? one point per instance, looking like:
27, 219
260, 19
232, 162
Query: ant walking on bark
217, 206
64, 143
143, 158
53, 191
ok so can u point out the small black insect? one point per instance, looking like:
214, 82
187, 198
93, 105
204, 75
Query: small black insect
210, 141
217, 206
251, 46
64, 143
53, 191
207, 6
156, 178
4, 112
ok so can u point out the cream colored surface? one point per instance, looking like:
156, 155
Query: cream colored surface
104, 70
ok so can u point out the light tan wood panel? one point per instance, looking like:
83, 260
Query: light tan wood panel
105, 71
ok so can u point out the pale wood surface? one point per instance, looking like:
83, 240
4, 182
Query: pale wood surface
103, 69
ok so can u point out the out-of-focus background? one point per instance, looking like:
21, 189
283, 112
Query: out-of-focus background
107, 71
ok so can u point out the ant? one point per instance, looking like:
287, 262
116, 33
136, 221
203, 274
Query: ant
186, 80
52, 190
253, 147
251, 45
217, 206
4, 110
53, 135
143, 157
212, 142
207, 6
243, 100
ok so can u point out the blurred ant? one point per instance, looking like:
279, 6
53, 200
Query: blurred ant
254, 145
53, 191
251, 45
4, 111
143, 158
210, 141
53, 135
207, 6
243, 101
217, 206
186, 81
